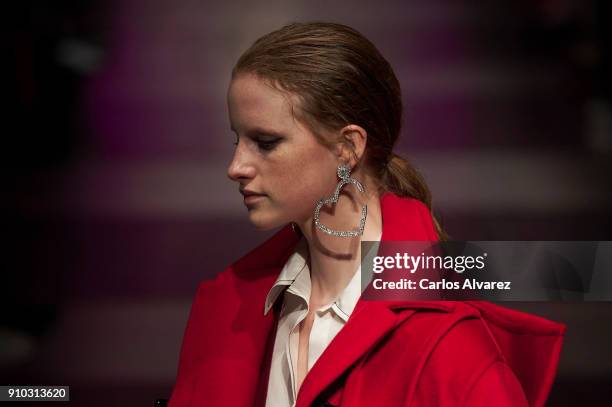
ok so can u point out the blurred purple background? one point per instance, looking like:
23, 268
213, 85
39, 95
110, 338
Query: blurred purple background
117, 142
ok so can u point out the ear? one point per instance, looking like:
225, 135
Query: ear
352, 144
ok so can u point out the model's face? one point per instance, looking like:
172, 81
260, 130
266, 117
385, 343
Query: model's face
276, 157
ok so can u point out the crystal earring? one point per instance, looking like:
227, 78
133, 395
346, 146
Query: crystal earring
344, 173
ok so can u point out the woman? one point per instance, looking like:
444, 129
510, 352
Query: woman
317, 110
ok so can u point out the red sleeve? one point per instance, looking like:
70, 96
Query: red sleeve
497, 386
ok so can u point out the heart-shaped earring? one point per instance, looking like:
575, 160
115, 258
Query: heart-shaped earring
344, 173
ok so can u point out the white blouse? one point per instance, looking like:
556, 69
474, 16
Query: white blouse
328, 320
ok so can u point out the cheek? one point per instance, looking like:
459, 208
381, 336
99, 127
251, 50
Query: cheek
303, 182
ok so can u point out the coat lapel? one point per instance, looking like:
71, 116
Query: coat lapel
364, 330
371, 321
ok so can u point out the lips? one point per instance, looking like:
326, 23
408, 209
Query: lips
246, 193
251, 198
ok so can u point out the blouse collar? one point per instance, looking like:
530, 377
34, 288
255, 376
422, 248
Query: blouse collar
295, 277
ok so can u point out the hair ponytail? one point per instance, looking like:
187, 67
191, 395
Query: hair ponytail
403, 179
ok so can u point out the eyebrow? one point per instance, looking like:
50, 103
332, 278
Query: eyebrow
262, 131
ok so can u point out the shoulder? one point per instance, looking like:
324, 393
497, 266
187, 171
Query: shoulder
445, 334
451, 325
461, 352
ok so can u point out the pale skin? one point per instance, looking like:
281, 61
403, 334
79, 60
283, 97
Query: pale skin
280, 159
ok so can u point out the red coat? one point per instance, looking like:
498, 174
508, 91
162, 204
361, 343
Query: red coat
401, 353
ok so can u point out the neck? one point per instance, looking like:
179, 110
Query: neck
334, 260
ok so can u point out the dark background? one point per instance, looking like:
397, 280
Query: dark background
116, 141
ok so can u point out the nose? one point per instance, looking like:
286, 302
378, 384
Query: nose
241, 168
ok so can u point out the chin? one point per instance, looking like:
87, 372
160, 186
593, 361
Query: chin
263, 221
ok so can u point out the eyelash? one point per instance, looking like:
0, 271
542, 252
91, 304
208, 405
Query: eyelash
267, 145
263, 145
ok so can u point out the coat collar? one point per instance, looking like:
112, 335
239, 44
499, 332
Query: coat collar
403, 219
